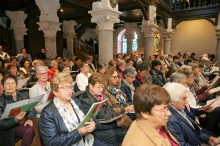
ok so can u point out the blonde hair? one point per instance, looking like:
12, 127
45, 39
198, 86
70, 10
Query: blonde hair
186, 70
58, 79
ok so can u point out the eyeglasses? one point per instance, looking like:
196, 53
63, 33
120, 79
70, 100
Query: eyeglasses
8, 83
100, 87
192, 77
66, 87
133, 77
115, 77
43, 74
163, 110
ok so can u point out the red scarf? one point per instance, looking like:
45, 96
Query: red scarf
166, 136
141, 79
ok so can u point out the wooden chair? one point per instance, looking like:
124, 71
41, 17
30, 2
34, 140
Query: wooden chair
37, 139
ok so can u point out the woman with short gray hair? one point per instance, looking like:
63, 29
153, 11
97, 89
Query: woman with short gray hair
127, 84
42, 86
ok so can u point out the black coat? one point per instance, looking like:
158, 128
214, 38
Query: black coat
158, 77
53, 129
7, 125
106, 133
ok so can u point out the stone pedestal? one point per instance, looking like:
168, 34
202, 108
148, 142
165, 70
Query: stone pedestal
105, 16
50, 29
149, 30
49, 24
129, 35
167, 39
217, 53
17, 23
69, 34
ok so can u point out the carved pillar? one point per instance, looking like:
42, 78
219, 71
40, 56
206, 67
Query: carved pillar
149, 28
17, 23
149, 31
167, 39
129, 35
105, 15
69, 34
49, 24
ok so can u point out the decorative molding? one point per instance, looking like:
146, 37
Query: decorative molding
49, 28
129, 33
19, 33
167, 35
148, 30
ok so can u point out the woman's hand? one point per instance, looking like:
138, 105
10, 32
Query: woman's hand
20, 116
90, 126
28, 122
129, 108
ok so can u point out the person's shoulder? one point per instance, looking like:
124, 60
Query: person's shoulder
49, 108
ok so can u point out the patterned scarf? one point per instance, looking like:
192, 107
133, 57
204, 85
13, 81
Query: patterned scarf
117, 94
71, 121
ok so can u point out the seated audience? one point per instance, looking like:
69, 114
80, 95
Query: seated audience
111, 133
23, 56
53, 70
181, 125
174, 67
41, 87
158, 77
130, 63
206, 69
116, 97
112, 64
42, 54
121, 65
3, 55
13, 70
75, 67
4, 68
60, 118
64, 69
151, 104
102, 68
142, 72
82, 77
127, 84
92, 68
26, 69
20, 126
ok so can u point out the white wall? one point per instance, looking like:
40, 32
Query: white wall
196, 36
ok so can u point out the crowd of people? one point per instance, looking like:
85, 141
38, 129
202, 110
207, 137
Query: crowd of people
162, 100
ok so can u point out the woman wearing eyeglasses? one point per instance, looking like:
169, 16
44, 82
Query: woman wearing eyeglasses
60, 118
13, 128
110, 133
151, 104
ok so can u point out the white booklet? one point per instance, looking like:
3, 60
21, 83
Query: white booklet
13, 109
113, 119
214, 102
21, 82
213, 82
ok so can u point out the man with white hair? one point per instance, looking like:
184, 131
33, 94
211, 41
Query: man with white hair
206, 69
181, 125
41, 87
4, 55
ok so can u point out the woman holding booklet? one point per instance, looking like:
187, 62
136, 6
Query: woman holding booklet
109, 132
59, 120
12, 128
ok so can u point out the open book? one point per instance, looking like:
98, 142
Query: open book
93, 111
214, 102
214, 69
13, 109
213, 90
213, 82
113, 119
22, 82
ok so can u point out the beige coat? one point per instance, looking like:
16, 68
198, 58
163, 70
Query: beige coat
142, 134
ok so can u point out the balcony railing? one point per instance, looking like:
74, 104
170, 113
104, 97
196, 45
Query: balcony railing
173, 5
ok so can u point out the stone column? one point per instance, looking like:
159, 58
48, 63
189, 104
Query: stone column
105, 15
149, 28
17, 23
167, 38
217, 53
49, 24
167, 34
129, 35
69, 34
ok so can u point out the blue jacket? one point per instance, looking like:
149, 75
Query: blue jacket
125, 89
185, 134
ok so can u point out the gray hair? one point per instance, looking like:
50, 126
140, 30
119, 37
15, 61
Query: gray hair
177, 77
204, 58
120, 62
129, 72
175, 90
39, 68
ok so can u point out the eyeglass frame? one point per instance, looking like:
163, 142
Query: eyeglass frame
164, 110
65, 88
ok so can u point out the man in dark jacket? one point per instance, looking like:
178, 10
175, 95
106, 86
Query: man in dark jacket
13, 127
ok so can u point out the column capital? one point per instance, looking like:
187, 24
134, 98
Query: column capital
69, 30
104, 15
148, 29
69, 37
49, 28
19, 33
218, 33
129, 33
48, 10
17, 18
167, 35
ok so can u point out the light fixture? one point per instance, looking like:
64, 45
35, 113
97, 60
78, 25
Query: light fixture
61, 10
